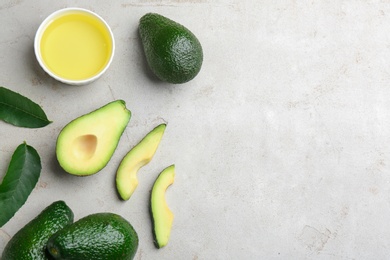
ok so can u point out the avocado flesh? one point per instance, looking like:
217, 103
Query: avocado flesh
173, 52
30, 241
86, 144
137, 157
98, 236
161, 214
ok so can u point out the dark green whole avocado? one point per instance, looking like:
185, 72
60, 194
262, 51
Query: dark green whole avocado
97, 236
172, 51
29, 243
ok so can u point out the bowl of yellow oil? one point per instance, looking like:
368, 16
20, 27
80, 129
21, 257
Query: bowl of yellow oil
74, 46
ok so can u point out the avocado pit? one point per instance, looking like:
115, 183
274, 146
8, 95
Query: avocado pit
84, 147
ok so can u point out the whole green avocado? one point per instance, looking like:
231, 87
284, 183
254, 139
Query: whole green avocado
29, 243
172, 51
99, 236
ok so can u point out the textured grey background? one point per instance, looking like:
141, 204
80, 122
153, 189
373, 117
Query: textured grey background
281, 143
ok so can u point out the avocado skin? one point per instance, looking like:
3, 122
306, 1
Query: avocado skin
172, 51
96, 236
29, 243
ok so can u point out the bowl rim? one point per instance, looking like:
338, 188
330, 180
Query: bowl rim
41, 29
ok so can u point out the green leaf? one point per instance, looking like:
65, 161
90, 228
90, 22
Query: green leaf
20, 111
21, 177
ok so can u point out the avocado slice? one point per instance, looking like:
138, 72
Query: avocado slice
161, 214
137, 157
173, 52
86, 144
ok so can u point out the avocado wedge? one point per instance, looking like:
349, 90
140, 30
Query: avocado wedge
161, 214
137, 157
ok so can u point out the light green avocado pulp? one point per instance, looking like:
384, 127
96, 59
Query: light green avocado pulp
137, 157
86, 144
162, 215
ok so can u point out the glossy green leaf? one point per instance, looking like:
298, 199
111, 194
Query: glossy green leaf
20, 111
21, 177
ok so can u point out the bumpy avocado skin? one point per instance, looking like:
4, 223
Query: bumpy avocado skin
97, 236
29, 243
172, 51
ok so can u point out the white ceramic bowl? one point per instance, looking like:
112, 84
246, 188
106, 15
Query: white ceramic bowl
74, 46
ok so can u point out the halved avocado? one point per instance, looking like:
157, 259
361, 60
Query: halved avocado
161, 214
86, 144
137, 157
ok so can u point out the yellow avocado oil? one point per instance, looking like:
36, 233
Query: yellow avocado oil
76, 45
